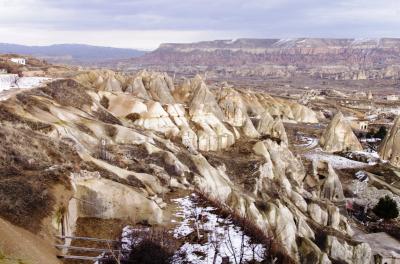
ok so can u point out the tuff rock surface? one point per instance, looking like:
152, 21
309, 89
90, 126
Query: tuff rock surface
390, 147
146, 135
339, 136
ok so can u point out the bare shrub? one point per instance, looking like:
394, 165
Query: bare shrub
151, 246
133, 116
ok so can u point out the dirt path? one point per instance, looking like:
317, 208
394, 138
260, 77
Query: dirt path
20, 246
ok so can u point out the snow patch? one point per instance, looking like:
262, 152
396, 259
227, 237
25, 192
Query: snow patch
336, 161
11, 81
307, 142
224, 240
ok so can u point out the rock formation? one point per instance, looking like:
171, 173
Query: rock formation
390, 147
326, 181
131, 143
338, 136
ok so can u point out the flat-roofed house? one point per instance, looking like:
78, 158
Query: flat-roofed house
21, 61
392, 97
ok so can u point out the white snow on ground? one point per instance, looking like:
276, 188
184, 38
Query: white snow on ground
370, 140
336, 161
10, 81
370, 195
224, 238
309, 142
361, 176
372, 117
129, 237
31, 82
11, 84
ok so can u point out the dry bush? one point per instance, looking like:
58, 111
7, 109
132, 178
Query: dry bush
12, 68
155, 246
111, 131
133, 116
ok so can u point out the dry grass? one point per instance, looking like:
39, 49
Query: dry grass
30, 165
7, 114
68, 92
11, 67
107, 117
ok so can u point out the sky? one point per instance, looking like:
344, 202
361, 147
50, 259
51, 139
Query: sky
144, 24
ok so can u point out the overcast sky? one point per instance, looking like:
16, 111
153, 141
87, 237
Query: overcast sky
144, 24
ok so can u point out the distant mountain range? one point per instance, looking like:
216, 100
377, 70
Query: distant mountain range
72, 53
326, 58
297, 51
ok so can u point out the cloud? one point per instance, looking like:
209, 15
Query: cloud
140, 39
155, 19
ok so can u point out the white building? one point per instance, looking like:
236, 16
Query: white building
359, 124
21, 61
3, 71
392, 97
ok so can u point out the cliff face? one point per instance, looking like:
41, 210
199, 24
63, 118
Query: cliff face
342, 58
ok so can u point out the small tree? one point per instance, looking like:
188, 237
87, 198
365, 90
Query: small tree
381, 133
386, 208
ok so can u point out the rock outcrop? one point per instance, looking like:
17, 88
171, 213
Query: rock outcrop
339, 136
390, 147
326, 182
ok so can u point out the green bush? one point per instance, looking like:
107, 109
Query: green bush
386, 208
381, 133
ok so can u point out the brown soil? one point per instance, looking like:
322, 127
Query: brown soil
18, 246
